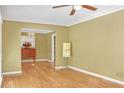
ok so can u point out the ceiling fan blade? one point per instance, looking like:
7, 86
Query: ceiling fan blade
89, 7
72, 12
61, 6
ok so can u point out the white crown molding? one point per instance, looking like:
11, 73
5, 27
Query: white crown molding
97, 75
36, 22
43, 31
96, 15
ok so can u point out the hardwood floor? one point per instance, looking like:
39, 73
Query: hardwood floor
43, 75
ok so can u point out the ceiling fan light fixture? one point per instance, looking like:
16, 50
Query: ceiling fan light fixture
77, 7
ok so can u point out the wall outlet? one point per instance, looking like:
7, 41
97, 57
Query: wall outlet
120, 74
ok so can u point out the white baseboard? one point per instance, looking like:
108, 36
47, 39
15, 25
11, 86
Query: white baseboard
44, 60
27, 60
37, 60
12, 73
50, 60
60, 67
0, 82
97, 75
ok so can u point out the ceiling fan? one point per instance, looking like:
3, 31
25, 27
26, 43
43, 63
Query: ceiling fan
77, 7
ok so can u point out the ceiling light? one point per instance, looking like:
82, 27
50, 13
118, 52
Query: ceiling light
31, 34
77, 7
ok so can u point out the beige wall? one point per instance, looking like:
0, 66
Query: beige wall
98, 45
11, 42
41, 46
11, 47
49, 46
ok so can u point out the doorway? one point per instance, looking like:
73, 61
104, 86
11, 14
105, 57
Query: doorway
44, 43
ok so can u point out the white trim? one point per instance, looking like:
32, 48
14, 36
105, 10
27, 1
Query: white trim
41, 59
49, 60
52, 47
1, 21
60, 67
96, 15
36, 22
44, 60
1, 48
27, 60
37, 60
97, 75
11, 73
42, 31
1, 81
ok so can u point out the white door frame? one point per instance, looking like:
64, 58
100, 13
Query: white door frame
0, 49
52, 52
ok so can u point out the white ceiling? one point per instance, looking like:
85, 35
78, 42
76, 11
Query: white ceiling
47, 15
